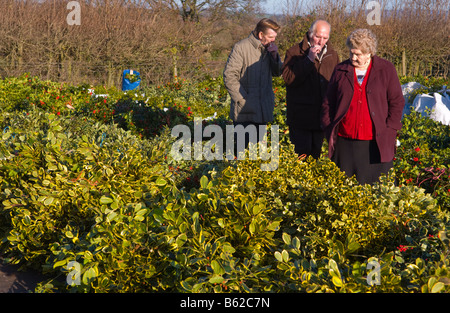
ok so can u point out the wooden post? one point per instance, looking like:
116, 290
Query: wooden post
20, 57
416, 68
404, 62
110, 74
175, 62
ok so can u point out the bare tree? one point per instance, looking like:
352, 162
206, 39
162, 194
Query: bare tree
153, 37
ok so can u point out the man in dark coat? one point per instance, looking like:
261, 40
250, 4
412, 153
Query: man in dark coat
306, 71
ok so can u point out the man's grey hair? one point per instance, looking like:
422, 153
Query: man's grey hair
313, 27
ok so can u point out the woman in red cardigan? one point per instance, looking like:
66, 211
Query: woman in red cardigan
362, 111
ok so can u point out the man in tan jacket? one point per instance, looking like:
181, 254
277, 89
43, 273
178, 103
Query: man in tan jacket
248, 76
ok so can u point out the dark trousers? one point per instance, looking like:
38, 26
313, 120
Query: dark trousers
308, 142
360, 158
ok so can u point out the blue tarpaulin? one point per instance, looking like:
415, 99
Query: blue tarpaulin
126, 83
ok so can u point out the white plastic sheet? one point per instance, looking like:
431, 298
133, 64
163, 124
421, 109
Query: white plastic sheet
435, 106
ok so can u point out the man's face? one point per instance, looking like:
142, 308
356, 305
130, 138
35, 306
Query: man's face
268, 37
320, 36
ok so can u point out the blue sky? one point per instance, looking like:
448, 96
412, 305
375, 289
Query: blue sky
277, 6
273, 6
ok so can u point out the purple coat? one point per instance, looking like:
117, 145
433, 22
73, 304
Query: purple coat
384, 97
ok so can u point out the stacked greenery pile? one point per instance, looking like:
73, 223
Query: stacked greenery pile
111, 198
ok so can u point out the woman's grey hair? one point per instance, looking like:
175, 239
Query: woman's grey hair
313, 27
364, 40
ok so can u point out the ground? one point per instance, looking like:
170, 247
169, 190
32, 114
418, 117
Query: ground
14, 281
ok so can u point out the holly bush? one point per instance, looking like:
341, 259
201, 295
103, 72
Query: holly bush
60, 177
110, 203
79, 188
423, 156
26, 92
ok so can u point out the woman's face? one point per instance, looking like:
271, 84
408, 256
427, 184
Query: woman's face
359, 59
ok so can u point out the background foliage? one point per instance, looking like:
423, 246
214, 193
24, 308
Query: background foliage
166, 39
